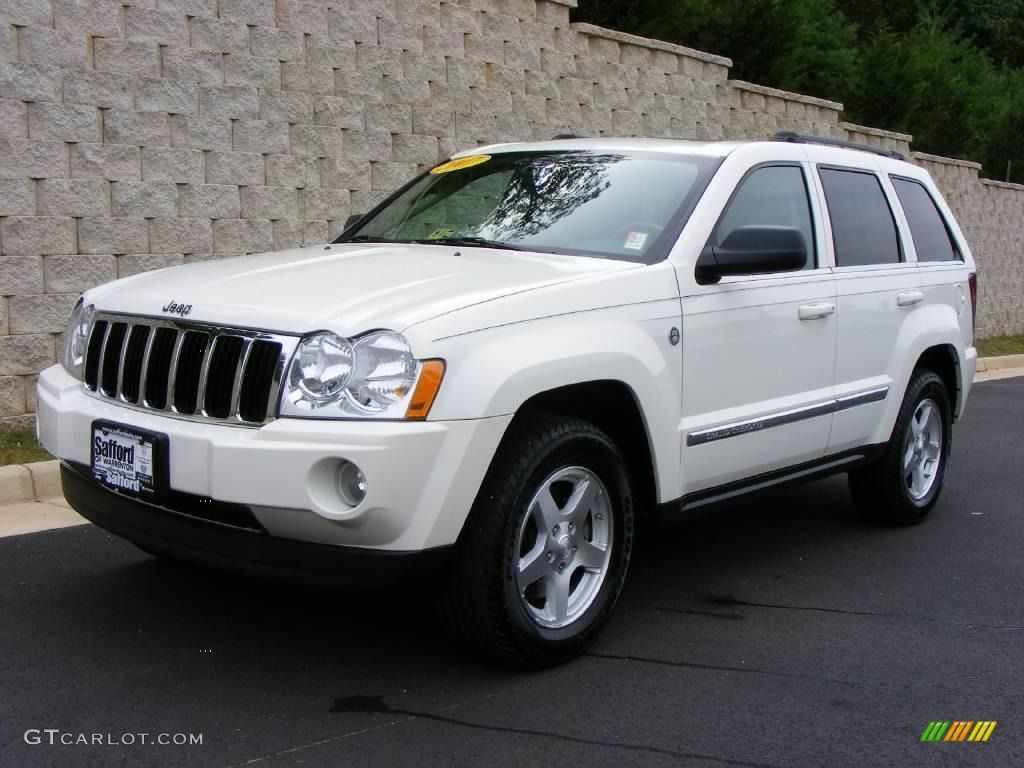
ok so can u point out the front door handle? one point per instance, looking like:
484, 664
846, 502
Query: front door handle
909, 298
817, 311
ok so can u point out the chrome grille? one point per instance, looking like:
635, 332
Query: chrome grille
185, 369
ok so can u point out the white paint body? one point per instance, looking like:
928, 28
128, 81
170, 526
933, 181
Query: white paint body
511, 325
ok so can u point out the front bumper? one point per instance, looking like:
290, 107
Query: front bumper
421, 477
164, 532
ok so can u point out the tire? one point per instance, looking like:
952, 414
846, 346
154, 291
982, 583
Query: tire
495, 605
888, 491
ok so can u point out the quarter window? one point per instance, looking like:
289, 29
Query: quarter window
775, 195
863, 229
932, 239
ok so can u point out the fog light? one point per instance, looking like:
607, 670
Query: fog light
351, 483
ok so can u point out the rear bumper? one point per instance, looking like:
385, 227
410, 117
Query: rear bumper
181, 536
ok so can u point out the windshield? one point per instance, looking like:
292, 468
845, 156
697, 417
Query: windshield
619, 205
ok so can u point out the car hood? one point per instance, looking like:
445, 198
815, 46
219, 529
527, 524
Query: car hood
345, 288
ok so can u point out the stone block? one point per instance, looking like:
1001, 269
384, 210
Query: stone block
180, 165
73, 197
21, 275
37, 235
134, 263
164, 95
149, 25
339, 112
251, 12
269, 203
288, 171
260, 136
230, 101
241, 70
75, 274
54, 47
13, 119
180, 236
413, 149
102, 89
140, 59
105, 161
210, 34
324, 204
243, 235
146, 199
200, 132
139, 128
26, 354
209, 201
112, 235
42, 313
31, 82
17, 197
235, 168
100, 18
356, 24
280, 44
203, 66
287, 106
316, 141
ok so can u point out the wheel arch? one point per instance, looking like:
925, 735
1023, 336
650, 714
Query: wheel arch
613, 407
942, 360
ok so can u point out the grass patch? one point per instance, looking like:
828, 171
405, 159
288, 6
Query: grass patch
19, 446
1000, 345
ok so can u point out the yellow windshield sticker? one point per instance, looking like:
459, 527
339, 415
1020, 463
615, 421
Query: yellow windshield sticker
460, 162
437, 234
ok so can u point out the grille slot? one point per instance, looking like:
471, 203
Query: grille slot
188, 369
158, 370
220, 376
257, 379
193, 370
92, 354
110, 359
135, 351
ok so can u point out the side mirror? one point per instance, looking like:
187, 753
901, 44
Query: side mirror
353, 219
753, 250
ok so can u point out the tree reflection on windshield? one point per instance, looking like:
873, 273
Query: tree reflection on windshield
544, 191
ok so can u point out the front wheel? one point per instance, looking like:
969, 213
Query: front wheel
544, 553
903, 485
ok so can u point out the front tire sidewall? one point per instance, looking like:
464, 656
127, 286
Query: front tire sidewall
592, 454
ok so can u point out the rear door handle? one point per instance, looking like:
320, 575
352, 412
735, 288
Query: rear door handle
817, 311
909, 298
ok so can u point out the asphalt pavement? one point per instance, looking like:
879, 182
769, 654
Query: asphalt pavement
780, 631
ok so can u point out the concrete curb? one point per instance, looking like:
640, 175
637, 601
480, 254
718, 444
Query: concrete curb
28, 482
1000, 363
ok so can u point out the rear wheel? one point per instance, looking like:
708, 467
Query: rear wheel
903, 485
544, 553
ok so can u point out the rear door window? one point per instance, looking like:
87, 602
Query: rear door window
863, 228
932, 239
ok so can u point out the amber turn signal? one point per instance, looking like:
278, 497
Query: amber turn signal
431, 373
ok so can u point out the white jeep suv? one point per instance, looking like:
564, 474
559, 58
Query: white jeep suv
494, 372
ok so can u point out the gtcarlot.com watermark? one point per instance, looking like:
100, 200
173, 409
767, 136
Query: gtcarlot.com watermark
57, 737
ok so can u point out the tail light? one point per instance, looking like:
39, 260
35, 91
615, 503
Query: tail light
972, 282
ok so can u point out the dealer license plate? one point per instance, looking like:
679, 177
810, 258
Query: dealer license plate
125, 459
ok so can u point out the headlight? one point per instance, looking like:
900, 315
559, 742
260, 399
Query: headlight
374, 376
76, 338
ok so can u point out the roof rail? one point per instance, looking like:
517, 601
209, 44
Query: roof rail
560, 136
797, 138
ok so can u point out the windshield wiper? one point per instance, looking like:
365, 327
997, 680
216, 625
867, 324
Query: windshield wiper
477, 242
369, 239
